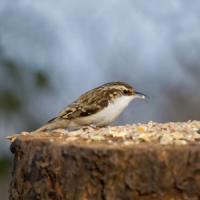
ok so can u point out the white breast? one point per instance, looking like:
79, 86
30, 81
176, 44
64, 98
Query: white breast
108, 114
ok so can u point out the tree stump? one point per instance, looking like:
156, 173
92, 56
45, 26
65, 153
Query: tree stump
141, 162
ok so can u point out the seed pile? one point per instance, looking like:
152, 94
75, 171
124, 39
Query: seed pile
176, 133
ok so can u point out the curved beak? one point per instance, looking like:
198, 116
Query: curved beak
142, 96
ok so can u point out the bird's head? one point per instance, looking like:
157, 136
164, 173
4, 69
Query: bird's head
124, 89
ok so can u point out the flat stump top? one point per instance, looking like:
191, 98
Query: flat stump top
153, 161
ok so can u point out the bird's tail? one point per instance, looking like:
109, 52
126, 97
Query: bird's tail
53, 124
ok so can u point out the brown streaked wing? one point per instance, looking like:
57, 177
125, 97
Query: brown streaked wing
89, 103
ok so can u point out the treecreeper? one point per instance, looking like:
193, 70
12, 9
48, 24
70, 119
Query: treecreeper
97, 107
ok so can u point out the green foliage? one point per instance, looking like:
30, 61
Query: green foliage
9, 101
5, 164
41, 79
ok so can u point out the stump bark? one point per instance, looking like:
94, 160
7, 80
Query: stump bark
108, 166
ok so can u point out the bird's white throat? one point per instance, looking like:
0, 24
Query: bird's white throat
109, 113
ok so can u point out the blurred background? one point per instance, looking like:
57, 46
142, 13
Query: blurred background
53, 51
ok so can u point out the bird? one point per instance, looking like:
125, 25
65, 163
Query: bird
98, 107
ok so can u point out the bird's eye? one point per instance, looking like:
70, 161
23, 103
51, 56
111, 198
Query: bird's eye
126, 92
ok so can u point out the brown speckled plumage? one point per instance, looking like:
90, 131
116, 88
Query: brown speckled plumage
95, 100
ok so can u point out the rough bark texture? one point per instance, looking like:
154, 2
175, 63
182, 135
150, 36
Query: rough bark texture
46, 167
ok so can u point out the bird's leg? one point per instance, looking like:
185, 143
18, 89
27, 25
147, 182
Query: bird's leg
94, 126
90, 127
